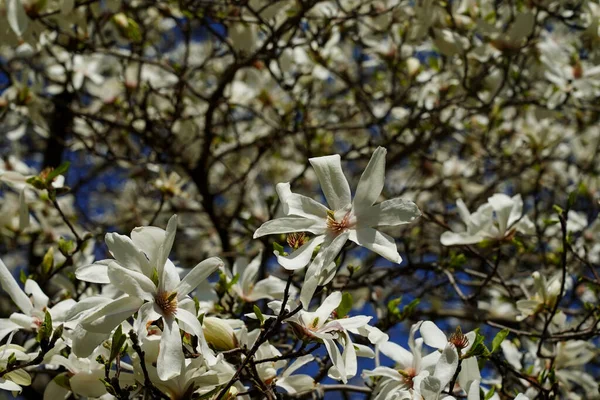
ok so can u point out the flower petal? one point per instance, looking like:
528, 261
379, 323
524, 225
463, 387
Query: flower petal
106, 318
198, 275
379, 242
94, 273
446, 366
167, 274
127, 254
290, 225
329, 305
192, 324
399, 354
433, 336
371, 181
131, 282
333, 182
148, 239
301, 256
10, 286
170, 356
391, 212
38, 297
338, 370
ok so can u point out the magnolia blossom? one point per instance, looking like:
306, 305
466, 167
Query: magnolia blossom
318, 325
415, 375
153, 289
246, 287
544, 296
345, 219
12, 381
33, 309
482, 225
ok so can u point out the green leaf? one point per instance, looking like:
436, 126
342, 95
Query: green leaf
490, 393
60, 170
65, 246
118, 340
259, 315
279, 248
478, 349
36, 182
498, 339
345, 305
45, 330
48, 261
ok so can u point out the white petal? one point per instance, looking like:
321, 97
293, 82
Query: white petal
195, 328
105, 319
84, 342
371, 181
131, 282
354, 322
338, 370
386, 372
306, 207
446, 366
392, 212
301, 256
399, 354
54, 391
296, 384
249, 271
329, 251
94, 273
9, 385
127, 254
149, 239
88, 383
17, 18
39, 298
451, 239
349, 355
300, 362
290, 225
198, 275
10, 286
433, 336
333, 182
165, 274
329, 305
170, 357
502, 205
379, 242
7, 327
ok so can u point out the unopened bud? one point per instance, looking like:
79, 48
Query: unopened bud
219, 334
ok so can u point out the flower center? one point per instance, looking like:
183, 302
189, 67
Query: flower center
338, 226
296, 239
408, 375
458, 339
167, 302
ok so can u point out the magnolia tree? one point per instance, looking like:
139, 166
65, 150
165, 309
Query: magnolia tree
285, 199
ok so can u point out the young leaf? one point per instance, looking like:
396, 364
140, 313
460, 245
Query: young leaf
259, 315
345, 305
498, 339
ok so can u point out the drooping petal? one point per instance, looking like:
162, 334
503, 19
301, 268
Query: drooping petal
197, 275
85, 342
290, 225
333, 182
301, 256
10, 286
296, 384
433, 336
127, 254
146, 314
88, 383
306, 207
329, 250
192, 325
349, 355
391, 212
131, 282
170, 356
300, 362
338, 370
379, 242
446, 366
371, 182
106, 318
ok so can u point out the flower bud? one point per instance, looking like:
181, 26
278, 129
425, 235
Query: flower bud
219, 334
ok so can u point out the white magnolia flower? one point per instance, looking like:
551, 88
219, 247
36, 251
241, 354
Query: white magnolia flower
319, 325
12, 381
345, 219
153, 289
469, 377
544, 296
482, 225
84, 376
246, 287
33, 310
